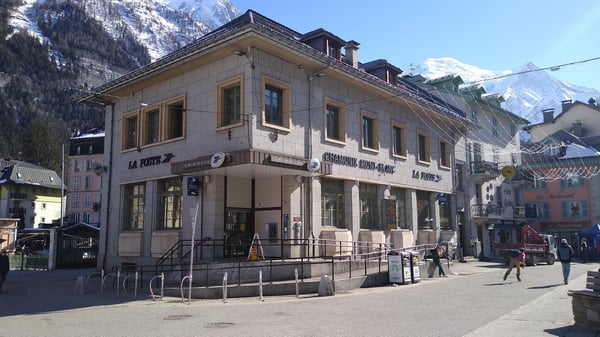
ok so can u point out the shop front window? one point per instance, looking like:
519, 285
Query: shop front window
332, 202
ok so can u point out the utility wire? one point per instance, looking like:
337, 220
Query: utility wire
552, 68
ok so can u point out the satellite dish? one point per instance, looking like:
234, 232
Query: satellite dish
98, 168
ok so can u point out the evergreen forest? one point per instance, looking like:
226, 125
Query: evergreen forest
42, 80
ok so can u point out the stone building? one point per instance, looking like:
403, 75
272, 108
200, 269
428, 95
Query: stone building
257, 131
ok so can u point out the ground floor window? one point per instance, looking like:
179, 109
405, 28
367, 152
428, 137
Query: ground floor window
332, 202
369, 214
424, 209
170, 203
401, 219
133, 211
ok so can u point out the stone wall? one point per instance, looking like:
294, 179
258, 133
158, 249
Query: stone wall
586, 308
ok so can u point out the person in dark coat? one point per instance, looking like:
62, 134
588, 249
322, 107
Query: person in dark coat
565, 254
583, 248
437, 254
4, 267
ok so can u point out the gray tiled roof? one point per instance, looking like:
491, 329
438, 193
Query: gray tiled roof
20, 172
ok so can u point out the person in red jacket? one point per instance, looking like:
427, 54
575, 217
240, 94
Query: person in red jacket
516, 259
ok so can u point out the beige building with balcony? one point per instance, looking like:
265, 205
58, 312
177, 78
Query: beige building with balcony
256, 130
487, 199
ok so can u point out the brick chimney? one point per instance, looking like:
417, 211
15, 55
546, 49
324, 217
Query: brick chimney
352, 53
548, 115
566, 104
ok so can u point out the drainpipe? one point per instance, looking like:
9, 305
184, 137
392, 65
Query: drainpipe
109, 184
317, 74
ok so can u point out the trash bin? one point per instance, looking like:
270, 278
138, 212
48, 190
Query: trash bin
415, 273
395, 268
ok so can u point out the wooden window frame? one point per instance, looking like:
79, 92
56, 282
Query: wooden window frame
375, 132
285, 104
341, 128
237, 81
169, 118
402, 152
128, 141
427, 149
445, 156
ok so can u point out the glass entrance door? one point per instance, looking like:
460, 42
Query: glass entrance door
238, 232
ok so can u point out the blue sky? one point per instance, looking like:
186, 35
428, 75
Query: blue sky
494, 35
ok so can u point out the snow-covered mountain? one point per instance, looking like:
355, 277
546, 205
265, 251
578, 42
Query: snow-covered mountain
526, 89
163, 26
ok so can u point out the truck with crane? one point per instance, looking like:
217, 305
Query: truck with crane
538, 247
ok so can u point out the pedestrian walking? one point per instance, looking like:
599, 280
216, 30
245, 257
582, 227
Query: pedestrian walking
517, 258
4, 267
565, 254
583, 248
437, 254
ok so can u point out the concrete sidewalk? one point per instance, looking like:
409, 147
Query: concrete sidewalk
547, 313
32, 292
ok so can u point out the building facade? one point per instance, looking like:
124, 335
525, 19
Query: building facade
488, 200
85, 171
29, 193
258, 131
564, 157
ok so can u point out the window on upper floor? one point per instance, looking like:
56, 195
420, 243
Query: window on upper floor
230, 102
335, 119
88, 183
370, 132
495, 131
87, 200
76, 166
130, 131
539, 181
175, 118
75, 200
398, 140
276, 104
160, 122
76, 183
574, 209
572, 181
537, 210
151, 123
423, 148
445, 153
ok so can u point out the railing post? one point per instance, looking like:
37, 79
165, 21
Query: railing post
297, 285
260, 285
225, 288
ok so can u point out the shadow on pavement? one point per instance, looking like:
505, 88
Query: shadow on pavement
546, 286
29, 292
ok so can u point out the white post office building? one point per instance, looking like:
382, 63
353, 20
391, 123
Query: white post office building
257, 131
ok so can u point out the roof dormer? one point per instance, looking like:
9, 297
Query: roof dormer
473, 92
324, 42
449, 82
384, 70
